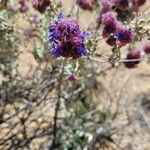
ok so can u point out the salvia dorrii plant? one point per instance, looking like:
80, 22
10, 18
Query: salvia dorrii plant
54, 71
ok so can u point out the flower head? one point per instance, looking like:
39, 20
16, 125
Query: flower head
132, 59
110, 24
147, 48
124, 36
108, 18
41, 5
67, 38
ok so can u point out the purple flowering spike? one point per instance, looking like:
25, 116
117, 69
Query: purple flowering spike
67, 38
132, 55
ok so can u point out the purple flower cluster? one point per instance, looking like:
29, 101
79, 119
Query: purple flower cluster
86, 4
110, 24
120, 6
114, 31
67, 38
124, 36
41, 5
128, 4
133, 59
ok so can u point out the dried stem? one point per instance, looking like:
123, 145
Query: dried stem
57, 107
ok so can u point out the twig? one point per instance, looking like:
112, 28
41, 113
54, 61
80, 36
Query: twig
131, 60
120, 61
57, 107
97, 60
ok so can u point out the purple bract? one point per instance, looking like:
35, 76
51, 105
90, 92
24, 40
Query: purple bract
110, 24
